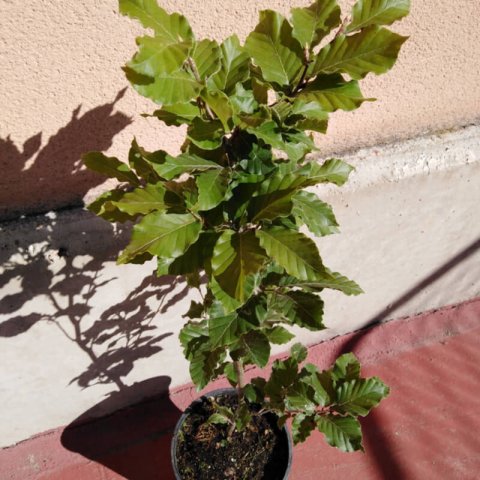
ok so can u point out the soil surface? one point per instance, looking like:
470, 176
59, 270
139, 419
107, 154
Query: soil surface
260, 452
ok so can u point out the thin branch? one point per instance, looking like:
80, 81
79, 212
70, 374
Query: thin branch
200, 101
341, 29
304, 73
193, 68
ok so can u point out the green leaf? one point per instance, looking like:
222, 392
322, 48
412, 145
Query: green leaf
332, 92
260, 89
155, 57
178, 114
184, 163
297, 144
166, 88
257, 347
143, 200
308, 116
298, 352
325, 378
312, 377
259, 161
243, 101
342, 432
318, 216
212, 188
206, 134
206, 57
231, 375
223, 330
217, 418
358, 397
337, 281
371, 50
194, 258
270, 133
332, 171
191, 333
229, 303
271, 206
295, 147
243, 417
293, 251
103, 207
141, 161
300, 397
377, 12
255, 119
329, 279
203, 365
180, 194
227, 412
172, 28
162, 234
304, 309
234, 66
236, 258
279, 335
219, 103
313, 23
255, 391
302, 427
274, 49
346, 367
284, 374
110, 166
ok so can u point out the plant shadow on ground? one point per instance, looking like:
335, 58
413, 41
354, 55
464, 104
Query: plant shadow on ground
51, 280
56, 266
389, 462
133, 442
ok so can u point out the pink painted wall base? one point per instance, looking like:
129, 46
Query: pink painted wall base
427, 428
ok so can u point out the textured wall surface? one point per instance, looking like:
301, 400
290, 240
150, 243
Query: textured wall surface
62, 87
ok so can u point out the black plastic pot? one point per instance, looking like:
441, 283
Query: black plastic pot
223, 391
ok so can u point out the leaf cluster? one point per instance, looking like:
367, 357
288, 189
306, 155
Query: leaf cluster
330, 401
230, 208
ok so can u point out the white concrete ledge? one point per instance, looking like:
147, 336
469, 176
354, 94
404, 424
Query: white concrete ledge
75, 327
415, 157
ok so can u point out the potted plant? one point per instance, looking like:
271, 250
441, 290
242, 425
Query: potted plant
230, 212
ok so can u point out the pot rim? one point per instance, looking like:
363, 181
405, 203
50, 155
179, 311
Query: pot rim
217, 392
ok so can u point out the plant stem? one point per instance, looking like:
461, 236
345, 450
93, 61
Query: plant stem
194, 69
304, 73
231, 430
200, 102
240, 372
341, 29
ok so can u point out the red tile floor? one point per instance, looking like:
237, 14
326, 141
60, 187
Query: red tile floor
429, 427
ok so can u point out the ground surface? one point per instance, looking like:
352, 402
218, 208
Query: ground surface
427, 428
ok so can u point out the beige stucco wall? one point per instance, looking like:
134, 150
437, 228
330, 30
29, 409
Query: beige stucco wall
60, 82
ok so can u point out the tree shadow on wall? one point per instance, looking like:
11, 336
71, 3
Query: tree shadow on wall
36, 179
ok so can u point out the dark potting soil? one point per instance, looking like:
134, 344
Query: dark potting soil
259, 452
